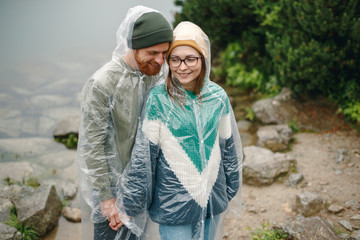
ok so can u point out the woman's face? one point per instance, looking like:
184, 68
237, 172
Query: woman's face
189, 69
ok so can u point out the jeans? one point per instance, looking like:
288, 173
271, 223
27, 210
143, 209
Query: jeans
189, 231
102, 231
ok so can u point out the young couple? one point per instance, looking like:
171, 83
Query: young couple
180, 161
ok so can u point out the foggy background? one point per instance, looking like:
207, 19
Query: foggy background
48, 50
43, 29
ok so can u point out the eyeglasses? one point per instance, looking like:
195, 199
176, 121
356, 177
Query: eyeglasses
189, 61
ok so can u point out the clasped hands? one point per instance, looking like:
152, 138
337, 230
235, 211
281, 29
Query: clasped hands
109, 211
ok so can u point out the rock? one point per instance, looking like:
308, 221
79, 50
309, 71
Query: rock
356, 217
356, 235
275, 110
314, 228
352, 204
72, 214
284, 95
334, 208
5, 209
46, 125
338, 171
9, 192
295, 179
68, 125
305, 113
247, 139
274, 137
308, 204
69, 190
30, 146
344, 236
341, 155
66, 188
20, 170
286, 207
244, 125
9, 233
346, 225
39, 208
252, 210
263, 167
330, 222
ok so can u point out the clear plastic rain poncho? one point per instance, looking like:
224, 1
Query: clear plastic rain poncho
111, 103
186, 163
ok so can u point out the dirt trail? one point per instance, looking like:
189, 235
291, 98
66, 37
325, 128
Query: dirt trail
315, 154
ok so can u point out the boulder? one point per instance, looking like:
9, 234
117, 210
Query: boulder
262, 167
274, 137
277, 110
9, 233
20, 170
68, 125
39, 207
306, 113
308, 203
314, 228
5, 209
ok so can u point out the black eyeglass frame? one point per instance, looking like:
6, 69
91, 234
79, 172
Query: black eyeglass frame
183, 60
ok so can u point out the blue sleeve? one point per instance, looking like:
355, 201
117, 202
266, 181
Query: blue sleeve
137, 184
231, 167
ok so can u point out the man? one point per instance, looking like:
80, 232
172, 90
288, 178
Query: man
111, 103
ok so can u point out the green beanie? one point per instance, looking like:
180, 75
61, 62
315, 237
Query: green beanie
151, 29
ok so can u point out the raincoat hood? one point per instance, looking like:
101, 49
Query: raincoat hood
190, 34
142, 27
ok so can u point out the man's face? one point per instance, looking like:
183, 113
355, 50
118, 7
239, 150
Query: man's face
150, 59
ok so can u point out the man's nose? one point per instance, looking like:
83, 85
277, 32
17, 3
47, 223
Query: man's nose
159, 58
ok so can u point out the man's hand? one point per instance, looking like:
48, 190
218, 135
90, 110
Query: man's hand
109, 211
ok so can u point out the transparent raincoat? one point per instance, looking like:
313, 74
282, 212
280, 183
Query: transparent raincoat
111, 103
187, 159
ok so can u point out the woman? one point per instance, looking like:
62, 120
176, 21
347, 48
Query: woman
186, 162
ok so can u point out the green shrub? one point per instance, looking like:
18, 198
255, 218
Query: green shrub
250, 115
70, 141
228, 21
294, 126
236, 73
352, 110
311, 47
314, 46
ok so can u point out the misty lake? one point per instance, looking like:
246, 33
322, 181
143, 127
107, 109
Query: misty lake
48, 51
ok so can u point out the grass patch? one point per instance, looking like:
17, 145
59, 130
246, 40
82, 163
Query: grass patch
27, 232
265, 232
